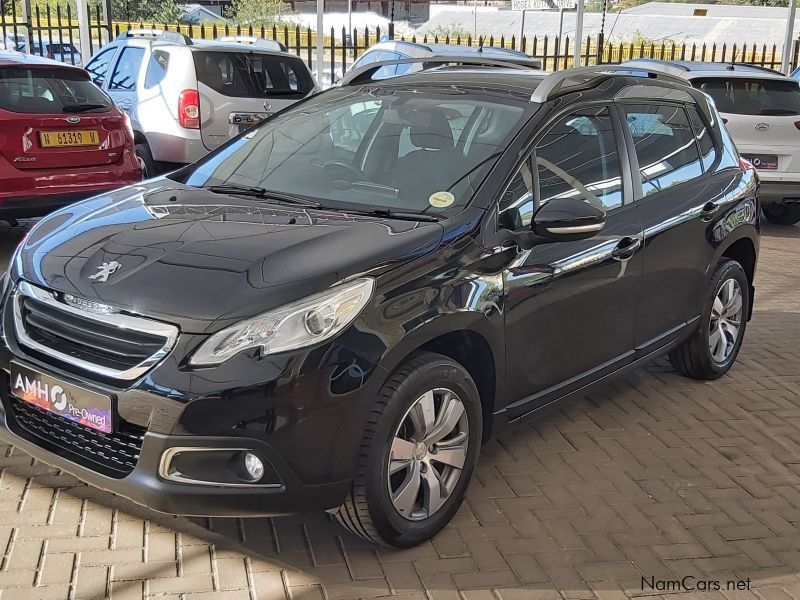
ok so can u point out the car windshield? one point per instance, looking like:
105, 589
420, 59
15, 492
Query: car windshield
372, 148
740, 96
49, 91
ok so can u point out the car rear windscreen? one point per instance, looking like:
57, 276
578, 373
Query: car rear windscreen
50, 91
746, 96
252, 75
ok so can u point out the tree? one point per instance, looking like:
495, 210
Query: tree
258, 13
157, 11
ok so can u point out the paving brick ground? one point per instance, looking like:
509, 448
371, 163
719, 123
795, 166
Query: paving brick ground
654, 476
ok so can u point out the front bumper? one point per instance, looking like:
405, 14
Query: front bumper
303, 414
146, 487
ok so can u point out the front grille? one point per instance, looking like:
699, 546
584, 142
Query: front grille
113, 454
77, 337
110, 344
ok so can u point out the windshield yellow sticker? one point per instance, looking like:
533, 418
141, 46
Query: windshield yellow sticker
441, 199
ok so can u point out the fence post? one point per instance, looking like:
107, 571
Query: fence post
107, 20
27, 17
83, 28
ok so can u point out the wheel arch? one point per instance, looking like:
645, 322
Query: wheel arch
743, 250
468, 339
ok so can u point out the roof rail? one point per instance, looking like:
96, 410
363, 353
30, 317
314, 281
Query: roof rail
139, 33
758, 67
667, 66
563, 82
254, 41
175, 37
364, 73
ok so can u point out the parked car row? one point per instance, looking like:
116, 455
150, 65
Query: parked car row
337, 308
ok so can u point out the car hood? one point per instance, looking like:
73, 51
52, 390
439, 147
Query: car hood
203, 260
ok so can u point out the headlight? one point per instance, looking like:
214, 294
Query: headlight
302, 323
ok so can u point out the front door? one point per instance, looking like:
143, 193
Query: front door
570, 306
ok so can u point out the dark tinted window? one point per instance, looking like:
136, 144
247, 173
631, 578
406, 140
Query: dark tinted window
126, 72
48, 91
755, 96
665, 146
704, 141
578, 158
243, 75
156, 68
98, 66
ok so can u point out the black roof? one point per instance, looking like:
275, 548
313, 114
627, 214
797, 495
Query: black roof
515, 82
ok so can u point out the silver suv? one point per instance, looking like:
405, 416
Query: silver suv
187, 97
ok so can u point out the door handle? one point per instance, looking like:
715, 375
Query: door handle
709, 208
626, 248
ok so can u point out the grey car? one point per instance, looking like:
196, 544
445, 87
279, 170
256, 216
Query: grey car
187, 97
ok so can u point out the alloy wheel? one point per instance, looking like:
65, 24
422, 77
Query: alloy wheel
726, 320
427, 454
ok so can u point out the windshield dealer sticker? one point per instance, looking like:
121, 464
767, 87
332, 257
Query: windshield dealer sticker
441, 199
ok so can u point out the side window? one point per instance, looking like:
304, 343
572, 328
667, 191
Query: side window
156, 68
126, 72
98, 66
578, 158
704, 141
665, 146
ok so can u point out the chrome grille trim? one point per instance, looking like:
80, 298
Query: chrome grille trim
118, 320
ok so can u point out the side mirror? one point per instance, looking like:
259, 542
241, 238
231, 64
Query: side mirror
566, 219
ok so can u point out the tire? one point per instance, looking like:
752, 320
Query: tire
146, 161
782, 214
712, 349
369, 509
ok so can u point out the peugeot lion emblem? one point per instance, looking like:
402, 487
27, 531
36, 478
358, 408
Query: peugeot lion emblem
761, 126
106, 270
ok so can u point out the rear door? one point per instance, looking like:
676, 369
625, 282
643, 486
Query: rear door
123, 81
679, 200
763, 117
56, 118
239, 88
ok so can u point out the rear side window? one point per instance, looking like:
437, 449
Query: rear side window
740, 96
250, 75
704, 141
126, 72
665, 146
48, 91
156, 68
98, 67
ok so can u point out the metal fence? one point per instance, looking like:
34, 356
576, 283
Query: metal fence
58, 26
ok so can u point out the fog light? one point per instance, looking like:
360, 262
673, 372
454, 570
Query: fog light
254, 466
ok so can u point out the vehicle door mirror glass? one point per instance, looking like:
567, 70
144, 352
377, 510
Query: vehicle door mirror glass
568, 219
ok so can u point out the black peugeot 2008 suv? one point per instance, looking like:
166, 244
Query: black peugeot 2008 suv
335, 309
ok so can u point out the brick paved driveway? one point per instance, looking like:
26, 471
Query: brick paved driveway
653, 476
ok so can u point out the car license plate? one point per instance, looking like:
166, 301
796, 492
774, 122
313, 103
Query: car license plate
62, 139
61, 398
763, 162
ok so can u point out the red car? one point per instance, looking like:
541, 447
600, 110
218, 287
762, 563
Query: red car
61, 138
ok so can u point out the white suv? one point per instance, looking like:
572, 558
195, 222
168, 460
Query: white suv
761, 110
187, 97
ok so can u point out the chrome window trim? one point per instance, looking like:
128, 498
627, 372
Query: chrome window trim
170, 453
118, 320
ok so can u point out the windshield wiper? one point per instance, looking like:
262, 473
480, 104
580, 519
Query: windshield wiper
394, 214
74, 108
264, 193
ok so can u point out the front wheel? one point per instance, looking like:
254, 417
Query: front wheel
418, 452
711, 350
782, 214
